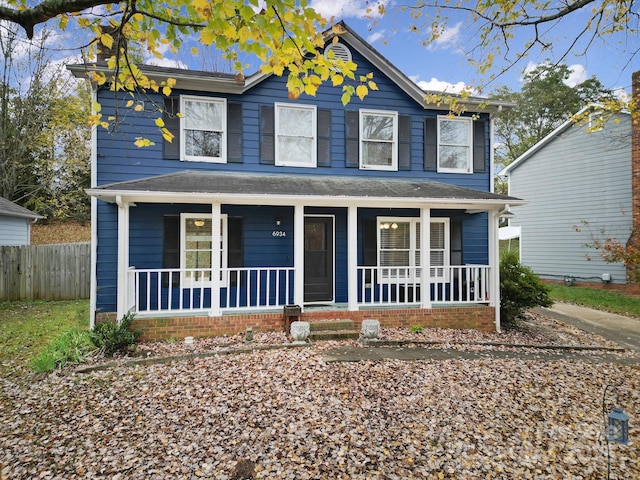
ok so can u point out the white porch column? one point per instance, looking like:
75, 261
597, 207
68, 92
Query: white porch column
425, 257
494, 264
123, 257
352, 258
215, 260
298, 255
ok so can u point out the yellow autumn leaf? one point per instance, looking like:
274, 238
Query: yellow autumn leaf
310, 89
106, 40
207, 36
129, 103
166, 91
361, 91
159, 122
96, 107
337, 80
139, 107
167, 135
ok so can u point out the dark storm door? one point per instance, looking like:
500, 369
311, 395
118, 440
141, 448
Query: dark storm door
318, 259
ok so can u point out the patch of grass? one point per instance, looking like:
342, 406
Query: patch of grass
416, 329
601, 299
27, 327
69, 347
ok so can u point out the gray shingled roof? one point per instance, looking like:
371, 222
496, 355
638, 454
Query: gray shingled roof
11, 209
299, 185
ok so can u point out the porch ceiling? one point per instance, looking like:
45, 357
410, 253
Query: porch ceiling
289, 189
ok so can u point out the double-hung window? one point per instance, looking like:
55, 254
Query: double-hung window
455, 144
296, 135
378, 140
203, 129
197, 249
399, 248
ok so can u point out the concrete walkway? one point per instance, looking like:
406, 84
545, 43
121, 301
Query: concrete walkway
624, 331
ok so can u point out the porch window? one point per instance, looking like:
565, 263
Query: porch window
399, 248
454, 145
378, 140
196, 248
203, 128
296, 135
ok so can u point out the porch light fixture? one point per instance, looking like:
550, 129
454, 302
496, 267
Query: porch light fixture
387, 226
198, 223
277, 221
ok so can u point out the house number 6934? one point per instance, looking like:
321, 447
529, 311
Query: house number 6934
278, 233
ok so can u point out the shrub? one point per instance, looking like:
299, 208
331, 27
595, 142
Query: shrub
520, 289
70, 347
416, 328
112, 338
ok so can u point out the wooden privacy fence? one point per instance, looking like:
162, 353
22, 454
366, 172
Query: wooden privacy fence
45, 272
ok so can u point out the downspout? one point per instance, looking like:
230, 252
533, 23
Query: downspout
94, 216
492, 164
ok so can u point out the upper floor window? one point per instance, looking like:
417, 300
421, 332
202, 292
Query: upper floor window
296, 135
454, 145
378, 140
203, 128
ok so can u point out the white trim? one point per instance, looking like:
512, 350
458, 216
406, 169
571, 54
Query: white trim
352, 258
494, 264
298, 255
394, 142
123, 258
93, 289
220, 231
469, 145
313, 161
183, 118
425, 246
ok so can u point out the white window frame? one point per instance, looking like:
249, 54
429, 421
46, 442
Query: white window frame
469, 145
438, 272
394, 142
223, 141
184, 277
313, 158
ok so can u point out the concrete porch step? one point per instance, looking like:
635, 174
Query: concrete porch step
334, 329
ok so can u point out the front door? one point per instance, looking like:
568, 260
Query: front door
318, 259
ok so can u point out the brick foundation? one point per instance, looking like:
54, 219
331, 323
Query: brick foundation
473, 317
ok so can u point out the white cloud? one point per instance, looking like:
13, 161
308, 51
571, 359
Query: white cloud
448, 38
375, 36
577, 76
346, 8
435, 85
165, 62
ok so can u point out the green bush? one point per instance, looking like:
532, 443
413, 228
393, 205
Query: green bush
70, 347
112, 338
520, 289
416, 328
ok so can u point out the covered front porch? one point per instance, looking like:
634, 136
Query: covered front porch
344, 246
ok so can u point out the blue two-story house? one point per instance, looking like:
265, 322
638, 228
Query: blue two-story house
379, 209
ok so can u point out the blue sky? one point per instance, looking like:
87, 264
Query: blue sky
444, 65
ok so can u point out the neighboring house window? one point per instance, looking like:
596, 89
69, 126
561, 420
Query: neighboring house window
378, 140
454, 145
196, 248
399, 248
296, 135
203, 128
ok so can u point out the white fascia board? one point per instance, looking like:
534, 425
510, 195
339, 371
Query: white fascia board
132, 196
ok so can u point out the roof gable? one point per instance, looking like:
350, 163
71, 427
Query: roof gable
236, 84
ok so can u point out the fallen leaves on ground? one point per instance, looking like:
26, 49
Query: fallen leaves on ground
287, 414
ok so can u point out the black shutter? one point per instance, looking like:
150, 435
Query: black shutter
171, 150
234, 133
431, 144
267, 132
324, 137
369, 245
479, 153
456, 242
235, 243
352, 131
404, 142
171, 248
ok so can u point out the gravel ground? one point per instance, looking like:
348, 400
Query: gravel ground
285, 413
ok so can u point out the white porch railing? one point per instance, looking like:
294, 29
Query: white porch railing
401, 285
177, 290
174, 291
